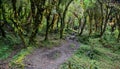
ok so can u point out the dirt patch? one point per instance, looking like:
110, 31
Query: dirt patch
53, 55
51, 58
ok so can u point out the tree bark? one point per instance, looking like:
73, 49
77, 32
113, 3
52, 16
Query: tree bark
82, 28
47, 26
63, 19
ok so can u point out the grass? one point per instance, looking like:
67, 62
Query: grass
53, 41
49, 43
11, 43
4, 51
18, 60
93, 55
7, 45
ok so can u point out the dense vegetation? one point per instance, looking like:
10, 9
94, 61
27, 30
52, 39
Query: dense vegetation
29, 24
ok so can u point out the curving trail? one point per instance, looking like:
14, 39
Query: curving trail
51, 58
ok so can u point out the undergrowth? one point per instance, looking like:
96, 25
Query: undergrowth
7, 45
17, 61
95, 53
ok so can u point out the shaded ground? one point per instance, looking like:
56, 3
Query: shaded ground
51, 58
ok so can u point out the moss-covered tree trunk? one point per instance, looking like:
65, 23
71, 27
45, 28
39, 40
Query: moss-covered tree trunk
63, 16
83, 26
37, 18
47, 26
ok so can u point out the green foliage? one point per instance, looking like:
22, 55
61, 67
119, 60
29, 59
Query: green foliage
84, 39
11, 40
26, 16
50, 44
79, 63
7, 45
93, 55
109, 40
89, 3
4, 52
17, 61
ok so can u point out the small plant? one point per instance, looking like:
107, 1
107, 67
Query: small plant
93, 65
72, 46
17, 61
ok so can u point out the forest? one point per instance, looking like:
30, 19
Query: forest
59, 34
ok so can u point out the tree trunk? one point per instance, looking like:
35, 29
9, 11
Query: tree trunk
90, 31
14, 8
47, 26
102, 19
106, 21
2, 32
63, 19
82, 28
37, 19
79, 19
118, 34
118, 23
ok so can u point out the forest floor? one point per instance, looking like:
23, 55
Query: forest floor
71, 52
51, 58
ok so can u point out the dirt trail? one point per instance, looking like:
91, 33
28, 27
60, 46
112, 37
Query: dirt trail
51, 58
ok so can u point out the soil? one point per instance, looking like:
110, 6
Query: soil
51, 58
